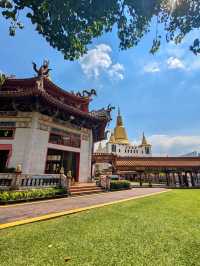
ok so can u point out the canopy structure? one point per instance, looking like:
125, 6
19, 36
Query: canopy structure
158, 163
168, 170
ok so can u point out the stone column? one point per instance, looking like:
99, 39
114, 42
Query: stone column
189, 178
196, 179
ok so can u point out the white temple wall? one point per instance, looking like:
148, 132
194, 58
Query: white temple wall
19, 144
127, 150
31, 142
36, 149
29, 146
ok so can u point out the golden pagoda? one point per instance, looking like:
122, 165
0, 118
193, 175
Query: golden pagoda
120, 136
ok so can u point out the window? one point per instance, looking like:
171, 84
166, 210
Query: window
147, 150
65, 139
8, 124
6, 133
113, 148
75, 140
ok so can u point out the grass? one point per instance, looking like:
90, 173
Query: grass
158, 230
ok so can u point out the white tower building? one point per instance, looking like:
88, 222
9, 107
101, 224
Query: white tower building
120, 145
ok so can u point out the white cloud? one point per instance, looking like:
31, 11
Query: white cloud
174, 63
152, 67
98, 60
116, 71
174, 145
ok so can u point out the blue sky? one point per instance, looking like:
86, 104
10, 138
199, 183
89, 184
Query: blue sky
157, 94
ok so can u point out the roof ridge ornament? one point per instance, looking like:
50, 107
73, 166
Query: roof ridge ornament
86, 93
104, 113
2, 78
44, 70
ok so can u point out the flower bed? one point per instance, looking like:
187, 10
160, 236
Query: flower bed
120, 184
28, 195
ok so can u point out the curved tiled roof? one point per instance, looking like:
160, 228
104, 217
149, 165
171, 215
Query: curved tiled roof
17, 88
137, 163
163, 162
25, 83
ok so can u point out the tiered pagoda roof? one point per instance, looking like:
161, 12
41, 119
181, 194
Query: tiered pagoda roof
42, 95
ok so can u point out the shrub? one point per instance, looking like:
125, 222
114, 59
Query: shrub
120, 184
7, 196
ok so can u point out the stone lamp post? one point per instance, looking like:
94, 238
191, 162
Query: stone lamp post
69, 181
16, 180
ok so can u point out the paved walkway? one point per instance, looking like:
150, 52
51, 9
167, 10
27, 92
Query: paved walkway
36, 209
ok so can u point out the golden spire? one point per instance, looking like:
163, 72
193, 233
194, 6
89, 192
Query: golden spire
120, 131
144, 141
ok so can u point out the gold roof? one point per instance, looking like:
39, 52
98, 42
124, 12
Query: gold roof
120, 131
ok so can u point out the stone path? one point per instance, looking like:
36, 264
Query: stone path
30, 210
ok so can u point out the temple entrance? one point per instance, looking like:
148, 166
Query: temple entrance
66, 159
3, 159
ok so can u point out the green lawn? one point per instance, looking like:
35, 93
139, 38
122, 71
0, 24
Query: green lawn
158, 230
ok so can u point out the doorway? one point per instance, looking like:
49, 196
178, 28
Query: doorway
66, 159
3, 159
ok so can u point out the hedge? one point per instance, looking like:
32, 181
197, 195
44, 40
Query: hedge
10, 196
120, 184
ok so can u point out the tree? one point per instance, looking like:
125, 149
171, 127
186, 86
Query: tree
71, 25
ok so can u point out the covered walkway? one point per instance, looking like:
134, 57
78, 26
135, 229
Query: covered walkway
166, 171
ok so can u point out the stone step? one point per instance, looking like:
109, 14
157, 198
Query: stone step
83, 188
84, 192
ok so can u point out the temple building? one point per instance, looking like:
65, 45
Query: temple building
120, 145
44, 128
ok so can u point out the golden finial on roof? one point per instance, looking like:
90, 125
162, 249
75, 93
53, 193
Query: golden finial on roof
119, 118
